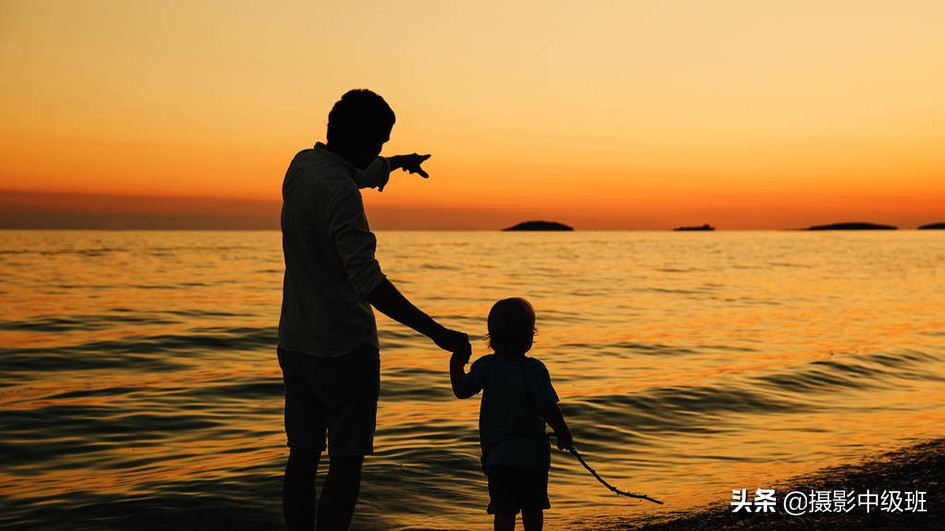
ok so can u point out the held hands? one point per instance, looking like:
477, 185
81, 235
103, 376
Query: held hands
453, 341
410, 163
462, 358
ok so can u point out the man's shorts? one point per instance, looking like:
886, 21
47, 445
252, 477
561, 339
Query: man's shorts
334, 396
513, 489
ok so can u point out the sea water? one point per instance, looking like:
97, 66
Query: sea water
139, 387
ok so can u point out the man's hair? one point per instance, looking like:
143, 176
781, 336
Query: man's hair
511, 325
359, 118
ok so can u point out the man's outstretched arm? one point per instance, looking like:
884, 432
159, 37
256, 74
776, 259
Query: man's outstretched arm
377, 174
389, 301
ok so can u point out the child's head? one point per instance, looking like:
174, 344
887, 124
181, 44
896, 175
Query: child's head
511, 326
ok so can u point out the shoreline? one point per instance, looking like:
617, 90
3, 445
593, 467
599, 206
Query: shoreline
919, 467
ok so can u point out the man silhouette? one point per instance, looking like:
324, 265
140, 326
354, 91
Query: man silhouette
328, 345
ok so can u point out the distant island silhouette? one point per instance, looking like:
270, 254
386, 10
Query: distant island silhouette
539, 225
705, 227
933, 226
853, 226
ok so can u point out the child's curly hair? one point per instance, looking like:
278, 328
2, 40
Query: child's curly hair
511, 325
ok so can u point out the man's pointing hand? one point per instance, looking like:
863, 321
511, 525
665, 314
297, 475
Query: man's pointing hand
410, 163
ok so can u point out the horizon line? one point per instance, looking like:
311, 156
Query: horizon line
230, 229
50, 210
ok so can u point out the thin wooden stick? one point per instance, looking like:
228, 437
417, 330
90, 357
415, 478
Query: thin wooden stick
608, 485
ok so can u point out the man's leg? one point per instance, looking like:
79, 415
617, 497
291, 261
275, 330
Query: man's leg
298, 490
504, 522
533, 519
340, 493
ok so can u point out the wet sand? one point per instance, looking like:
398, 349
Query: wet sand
915, 468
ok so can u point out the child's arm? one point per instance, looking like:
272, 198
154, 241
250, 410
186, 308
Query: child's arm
552, 415
457, 371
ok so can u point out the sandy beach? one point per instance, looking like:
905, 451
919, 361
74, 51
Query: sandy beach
920, 467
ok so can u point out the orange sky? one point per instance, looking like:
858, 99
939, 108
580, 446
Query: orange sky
604, 115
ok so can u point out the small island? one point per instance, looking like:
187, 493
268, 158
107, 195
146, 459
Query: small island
853, 226
933, 226
539, 225
705, 227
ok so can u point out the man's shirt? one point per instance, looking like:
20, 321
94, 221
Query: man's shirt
329, 254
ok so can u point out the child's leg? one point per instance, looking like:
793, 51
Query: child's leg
533, 519
504, 522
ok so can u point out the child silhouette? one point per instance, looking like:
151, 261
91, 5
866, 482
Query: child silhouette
517, 400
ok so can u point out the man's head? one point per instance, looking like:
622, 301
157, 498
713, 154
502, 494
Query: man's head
358, 126
511, 326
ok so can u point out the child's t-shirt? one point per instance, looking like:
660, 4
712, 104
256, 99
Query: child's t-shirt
511, 431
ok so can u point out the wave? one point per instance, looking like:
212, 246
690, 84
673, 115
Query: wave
187, 503
717, 408
88, 322
666, 410
240, 390
629, 348
142, 352
852, 371
84, 436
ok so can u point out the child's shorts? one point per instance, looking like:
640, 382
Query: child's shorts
512, 489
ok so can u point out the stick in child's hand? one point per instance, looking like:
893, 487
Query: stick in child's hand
612, 488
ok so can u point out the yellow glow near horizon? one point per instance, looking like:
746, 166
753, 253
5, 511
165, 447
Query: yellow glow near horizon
615, 114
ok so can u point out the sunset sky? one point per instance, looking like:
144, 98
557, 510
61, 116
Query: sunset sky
603, 115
